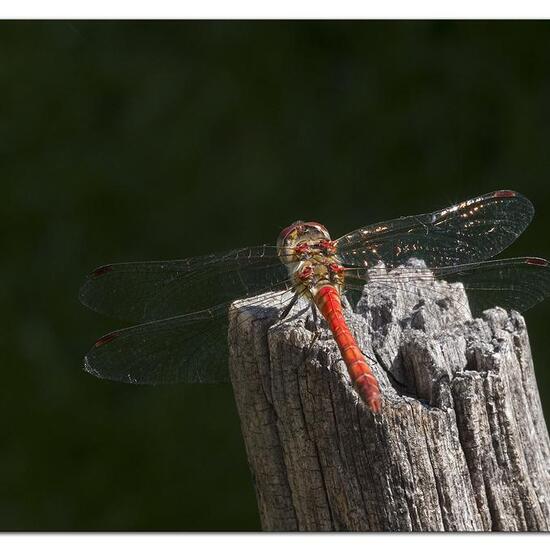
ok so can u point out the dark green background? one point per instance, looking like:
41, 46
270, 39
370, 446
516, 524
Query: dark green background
134, 141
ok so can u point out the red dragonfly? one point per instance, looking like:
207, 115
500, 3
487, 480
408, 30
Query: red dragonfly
181, 306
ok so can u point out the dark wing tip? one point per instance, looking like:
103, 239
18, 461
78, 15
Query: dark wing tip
505, 194
527, 205
106, 339
509, 194
90, 363
83, 294
537, 261
98, 272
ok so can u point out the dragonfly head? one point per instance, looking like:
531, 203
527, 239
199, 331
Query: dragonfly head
297, 233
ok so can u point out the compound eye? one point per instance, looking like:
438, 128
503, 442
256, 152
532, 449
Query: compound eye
291, 231
319, 228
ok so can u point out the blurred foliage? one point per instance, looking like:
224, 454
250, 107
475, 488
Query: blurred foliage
152, 140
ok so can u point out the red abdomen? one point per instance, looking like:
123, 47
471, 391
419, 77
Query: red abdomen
328, 301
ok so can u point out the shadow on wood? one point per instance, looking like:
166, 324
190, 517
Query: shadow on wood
460, 445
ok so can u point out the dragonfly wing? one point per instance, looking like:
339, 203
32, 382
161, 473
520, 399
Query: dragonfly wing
514, 283
187, 348
146, 291
517, 283
470, 231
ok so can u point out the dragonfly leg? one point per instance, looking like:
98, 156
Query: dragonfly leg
316, 331
314, 316
311, 344
290, 305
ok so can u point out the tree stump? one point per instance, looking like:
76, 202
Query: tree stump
460, 445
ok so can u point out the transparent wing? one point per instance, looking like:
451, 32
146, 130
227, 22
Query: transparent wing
147, 291
187, 348
470, 231
515, 283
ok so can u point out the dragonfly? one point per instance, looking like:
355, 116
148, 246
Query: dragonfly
179, 308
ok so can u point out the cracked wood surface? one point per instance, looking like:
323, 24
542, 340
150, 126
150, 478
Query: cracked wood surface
461, 443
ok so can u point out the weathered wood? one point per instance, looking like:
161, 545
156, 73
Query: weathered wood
461, 443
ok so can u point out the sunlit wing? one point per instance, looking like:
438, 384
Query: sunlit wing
146, 291
187, 348
470, 231
514, 283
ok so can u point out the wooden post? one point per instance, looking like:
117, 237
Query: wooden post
461, 443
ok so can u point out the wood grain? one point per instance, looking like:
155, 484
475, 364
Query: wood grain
460, 445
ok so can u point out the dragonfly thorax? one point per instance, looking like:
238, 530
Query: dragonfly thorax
310, 256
